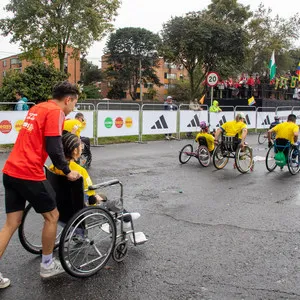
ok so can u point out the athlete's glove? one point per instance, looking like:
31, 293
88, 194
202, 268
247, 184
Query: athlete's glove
270, 144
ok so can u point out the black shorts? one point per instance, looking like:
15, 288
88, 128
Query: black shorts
39, 193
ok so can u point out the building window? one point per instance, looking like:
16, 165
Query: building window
4, 63
4, 73
66, 63
166, 86
14, 61
171, 76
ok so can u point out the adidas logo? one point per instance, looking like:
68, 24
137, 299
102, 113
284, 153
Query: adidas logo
247, 119
266, 121
222, 121
195, 122
160, 123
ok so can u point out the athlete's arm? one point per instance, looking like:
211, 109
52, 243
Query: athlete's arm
243, 137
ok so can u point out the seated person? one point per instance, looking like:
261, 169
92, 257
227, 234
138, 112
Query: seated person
210, 140
233, 128
72, 149
276, 122
286, 131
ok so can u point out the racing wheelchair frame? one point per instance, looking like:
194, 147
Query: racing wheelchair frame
230, 147
291, 153
201, 153
89, 235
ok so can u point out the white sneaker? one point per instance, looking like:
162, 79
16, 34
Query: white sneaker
4, 282
53, 269
173, 137
134, 216
167, 137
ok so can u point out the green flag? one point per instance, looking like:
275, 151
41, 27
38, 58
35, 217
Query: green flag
272, 66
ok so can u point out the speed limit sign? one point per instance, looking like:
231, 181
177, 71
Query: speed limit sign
212, 79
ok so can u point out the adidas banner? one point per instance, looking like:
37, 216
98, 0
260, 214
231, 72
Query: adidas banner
190, 120
117, 123
283, 115
264, 119
88, 131
159, 122
218, 119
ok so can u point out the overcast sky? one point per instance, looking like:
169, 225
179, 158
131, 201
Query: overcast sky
151, 14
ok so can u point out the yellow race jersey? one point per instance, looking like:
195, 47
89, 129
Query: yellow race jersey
74, 126
233, 128
82, 171
210, 140
286, 130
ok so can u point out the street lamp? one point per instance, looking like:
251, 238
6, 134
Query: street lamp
141, 94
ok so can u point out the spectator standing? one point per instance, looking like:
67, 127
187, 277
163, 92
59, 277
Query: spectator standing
296, 95
22, 102
168, 105
250, 84
215, 107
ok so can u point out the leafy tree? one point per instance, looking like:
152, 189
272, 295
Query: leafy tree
36, 82
129, 51
55, 24
90, 73
91, 92
267, 33
209, 40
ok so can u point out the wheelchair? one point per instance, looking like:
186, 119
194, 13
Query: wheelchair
90, 234
291, 154
201, 153
230, 147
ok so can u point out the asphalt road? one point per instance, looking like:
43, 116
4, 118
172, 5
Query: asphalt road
212, 234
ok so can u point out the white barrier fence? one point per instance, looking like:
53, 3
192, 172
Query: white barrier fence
139, 121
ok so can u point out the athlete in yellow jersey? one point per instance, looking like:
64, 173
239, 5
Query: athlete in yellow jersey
235, 127
210, 140
287, 130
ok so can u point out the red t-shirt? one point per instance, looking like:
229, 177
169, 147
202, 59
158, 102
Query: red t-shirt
28, 156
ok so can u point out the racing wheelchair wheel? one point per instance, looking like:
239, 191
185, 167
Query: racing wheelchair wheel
220, 159
243, 159
262, 137
203, 156
185, 153
30, 231
270, 159
293, 161
87, 241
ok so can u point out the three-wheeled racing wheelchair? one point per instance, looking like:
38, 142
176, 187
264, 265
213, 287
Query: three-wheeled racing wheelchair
283, 153
90, 234
229, 147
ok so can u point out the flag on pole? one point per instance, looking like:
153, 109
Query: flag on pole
251, 101
272, 66
201, 101
298, 71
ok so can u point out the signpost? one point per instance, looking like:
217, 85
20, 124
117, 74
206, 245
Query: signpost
212, 80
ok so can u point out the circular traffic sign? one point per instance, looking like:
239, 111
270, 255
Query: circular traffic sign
212, 79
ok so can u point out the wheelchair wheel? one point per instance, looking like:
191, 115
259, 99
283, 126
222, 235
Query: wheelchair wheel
220, 160
87, 241
244, 159
185, 153
120, 251
270, 160
262, 137
203, 156
293, 161
30, 231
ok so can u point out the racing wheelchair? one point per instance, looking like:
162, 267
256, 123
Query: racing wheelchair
201, 153
89, 235
229, 147
289, 156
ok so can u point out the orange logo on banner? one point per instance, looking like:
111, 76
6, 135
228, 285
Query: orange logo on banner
18, 125
5, 126
128, 122
119, 122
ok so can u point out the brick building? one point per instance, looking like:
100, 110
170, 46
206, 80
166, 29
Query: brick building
167, 73
72, 65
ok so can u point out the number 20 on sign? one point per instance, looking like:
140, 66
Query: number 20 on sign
212, 80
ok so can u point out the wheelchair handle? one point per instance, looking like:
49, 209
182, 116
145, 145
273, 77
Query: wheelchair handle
103, 184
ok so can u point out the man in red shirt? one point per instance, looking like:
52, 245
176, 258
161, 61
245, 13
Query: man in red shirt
250, 83
24, 177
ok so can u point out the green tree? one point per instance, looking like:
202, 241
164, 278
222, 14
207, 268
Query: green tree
55, 24
131, 51
209, 40
36, 82
90, 73
267, 33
